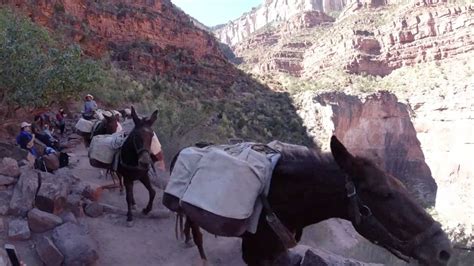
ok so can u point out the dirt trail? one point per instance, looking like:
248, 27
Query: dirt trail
150, 241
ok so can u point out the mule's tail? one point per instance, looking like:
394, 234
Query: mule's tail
179, 227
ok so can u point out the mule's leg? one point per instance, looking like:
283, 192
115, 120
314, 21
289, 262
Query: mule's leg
187, 231
129, 196
146, 182
120, 178
197, 237
298, 234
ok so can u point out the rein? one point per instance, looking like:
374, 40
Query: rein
363, 220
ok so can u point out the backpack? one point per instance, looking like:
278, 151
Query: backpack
51, 162
63, 159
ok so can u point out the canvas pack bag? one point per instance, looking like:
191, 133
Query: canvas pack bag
84, 125
103, 148
218, 186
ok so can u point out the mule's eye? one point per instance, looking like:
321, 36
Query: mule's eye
384, 194
387, 195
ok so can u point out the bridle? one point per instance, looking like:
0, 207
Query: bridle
139, 151
365, 222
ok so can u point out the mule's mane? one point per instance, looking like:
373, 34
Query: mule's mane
306, 167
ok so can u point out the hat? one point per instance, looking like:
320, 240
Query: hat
90, 95
128, 111
25, 124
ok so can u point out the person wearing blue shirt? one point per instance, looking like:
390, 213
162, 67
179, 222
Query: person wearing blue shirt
90, 106
25, 139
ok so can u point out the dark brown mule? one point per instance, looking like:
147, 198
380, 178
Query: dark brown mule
107, 126
135, 160
308, 187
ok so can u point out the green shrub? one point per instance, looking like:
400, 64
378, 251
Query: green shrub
34, 69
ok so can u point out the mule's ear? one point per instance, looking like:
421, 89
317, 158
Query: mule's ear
135, 118
153, 117
343, 158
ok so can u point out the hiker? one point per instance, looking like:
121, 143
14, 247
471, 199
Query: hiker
42, 133
60, 123
26, 139
90, 106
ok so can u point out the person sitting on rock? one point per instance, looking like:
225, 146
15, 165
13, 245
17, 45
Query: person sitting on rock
26, 139
90, 106
42, 133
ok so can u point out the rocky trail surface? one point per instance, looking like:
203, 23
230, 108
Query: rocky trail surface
81, 221
151, 241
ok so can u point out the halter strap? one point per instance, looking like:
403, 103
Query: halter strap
362, 218
139, 151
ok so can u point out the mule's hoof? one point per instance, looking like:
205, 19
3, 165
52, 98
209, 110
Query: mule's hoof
145, 211
189, 244
134, 207
129, 223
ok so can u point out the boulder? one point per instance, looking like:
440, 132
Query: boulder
40, 221
5, 197
74, 204
24, 193
7, 180
68, 217
75, 244
307, 256
94, 209
92, 192
12, 151
48, 252
9, 167
18, 230
87, 190
52, 195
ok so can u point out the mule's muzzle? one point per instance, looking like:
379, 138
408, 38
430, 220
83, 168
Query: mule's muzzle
144, 159
435, 251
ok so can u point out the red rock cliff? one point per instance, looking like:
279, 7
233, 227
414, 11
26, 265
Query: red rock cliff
142, 35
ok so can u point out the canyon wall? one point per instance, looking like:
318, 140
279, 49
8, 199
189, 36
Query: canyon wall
143, 36
364, 42
271, 11
377, 127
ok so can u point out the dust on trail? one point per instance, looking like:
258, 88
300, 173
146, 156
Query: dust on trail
150, 241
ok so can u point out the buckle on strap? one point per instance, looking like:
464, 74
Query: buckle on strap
350, 189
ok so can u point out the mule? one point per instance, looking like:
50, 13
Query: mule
309, 186
135, 160
106, 126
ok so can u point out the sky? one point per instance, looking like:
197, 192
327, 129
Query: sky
214, 12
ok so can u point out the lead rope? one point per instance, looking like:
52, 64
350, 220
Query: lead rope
285, 236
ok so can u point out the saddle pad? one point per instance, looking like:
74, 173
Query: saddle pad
155, 145
225, 180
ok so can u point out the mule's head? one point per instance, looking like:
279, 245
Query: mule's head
143, 135
111, 124
391, 217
